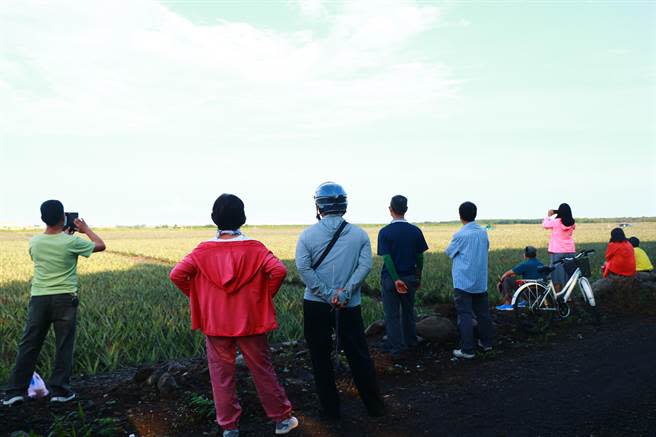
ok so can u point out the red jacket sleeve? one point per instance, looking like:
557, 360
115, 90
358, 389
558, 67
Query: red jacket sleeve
610, 251
276, 272
183, 273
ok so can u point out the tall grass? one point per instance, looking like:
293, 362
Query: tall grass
130, 312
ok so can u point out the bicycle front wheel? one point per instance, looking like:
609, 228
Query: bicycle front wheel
534, 307
586, 307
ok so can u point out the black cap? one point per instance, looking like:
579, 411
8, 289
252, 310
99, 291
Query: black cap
399, 204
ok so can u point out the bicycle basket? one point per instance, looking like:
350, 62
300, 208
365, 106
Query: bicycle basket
570, 267
582, 263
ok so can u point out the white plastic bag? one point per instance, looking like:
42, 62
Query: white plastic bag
37, 388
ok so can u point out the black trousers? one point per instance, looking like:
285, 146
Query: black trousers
60, 311
319, 322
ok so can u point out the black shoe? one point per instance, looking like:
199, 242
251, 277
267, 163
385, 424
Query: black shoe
377, 412
484, 348
332, 416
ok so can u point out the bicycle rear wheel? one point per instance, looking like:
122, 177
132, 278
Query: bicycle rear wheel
534, 307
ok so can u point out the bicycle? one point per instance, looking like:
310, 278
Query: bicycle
536, 302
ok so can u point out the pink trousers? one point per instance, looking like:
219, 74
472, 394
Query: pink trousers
221, 362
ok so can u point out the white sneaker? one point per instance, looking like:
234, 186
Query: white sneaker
8, 402
458, 353
63, 398
284, 426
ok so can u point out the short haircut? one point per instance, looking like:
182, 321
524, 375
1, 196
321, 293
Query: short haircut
52, 212
399, 204
467, 211
228, 212
635, 242
530, 252
617, 235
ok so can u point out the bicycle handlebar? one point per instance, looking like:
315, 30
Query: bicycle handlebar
582, 253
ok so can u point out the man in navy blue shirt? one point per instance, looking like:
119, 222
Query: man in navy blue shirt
526, 270
402, 246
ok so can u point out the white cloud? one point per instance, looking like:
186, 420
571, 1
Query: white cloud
312, 9
135, 66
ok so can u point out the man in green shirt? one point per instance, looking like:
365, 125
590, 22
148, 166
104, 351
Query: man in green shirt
53, 302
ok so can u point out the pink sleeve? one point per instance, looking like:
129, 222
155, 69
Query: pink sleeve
182, 274
276, 272
548, 223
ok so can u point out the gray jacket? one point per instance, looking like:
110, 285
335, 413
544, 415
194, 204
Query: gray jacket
346, 266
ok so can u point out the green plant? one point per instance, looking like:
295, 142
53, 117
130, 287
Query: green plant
202, 406
75, 424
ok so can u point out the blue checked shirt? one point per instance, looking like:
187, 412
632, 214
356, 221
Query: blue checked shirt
468, 251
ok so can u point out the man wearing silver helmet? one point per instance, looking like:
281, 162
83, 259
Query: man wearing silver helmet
333, 258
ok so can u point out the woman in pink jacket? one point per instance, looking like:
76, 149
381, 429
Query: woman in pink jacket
231, 281
561, 242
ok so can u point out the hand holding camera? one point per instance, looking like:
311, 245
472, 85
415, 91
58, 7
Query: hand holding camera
81, 226
73, 223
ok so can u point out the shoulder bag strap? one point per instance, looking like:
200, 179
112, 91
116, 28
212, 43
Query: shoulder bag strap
330, 245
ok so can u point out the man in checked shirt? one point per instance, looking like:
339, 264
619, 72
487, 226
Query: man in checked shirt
468, 252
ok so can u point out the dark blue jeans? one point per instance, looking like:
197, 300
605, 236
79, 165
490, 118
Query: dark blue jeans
468, 306
400, 325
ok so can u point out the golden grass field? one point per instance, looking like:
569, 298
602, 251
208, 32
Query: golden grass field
130, 312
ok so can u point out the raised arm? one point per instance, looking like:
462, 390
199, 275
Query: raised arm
84, 228
276, 272
309, 276
183, 273
548, 222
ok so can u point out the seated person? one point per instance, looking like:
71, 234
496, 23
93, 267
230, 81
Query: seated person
527, 270
620, 256
643, 264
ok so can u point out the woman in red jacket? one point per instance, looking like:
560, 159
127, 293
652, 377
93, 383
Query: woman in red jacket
231, 281
620, 257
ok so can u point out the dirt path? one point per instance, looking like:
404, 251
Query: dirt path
587, 383
579, 381
602, 384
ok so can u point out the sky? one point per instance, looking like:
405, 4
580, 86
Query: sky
143, 112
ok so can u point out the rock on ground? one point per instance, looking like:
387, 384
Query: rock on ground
436, 328
167, 385
376, 328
